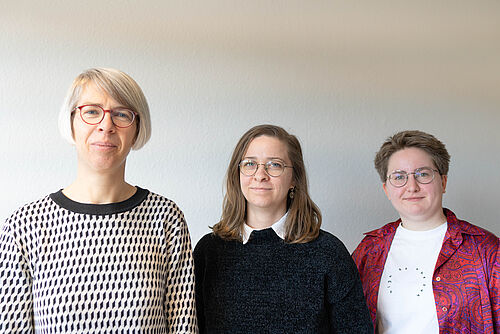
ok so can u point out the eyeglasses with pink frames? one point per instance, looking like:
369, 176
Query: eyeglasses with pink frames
94, 114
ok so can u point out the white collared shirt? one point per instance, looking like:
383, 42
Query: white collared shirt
278, 227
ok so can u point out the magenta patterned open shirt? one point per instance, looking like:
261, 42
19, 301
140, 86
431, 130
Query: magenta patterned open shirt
466, 279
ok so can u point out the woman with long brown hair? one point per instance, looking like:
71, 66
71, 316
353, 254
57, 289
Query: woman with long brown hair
268, 267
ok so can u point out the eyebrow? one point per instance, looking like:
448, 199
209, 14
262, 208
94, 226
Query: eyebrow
268, 158
100, 105
402, 170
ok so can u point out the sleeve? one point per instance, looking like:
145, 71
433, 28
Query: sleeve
180, 299
359, 256
494, 285
348, 310
16, 300
366, 273
199, 273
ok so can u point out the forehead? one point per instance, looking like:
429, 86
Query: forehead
91, 93
409, 159
266, 147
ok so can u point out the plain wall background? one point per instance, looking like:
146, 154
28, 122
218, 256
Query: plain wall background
342, 76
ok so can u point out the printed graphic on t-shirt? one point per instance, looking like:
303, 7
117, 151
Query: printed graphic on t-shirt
400, 278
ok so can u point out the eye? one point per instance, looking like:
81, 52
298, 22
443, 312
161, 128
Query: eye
248, 163
91, 111
123, 114
424, 173
398, 176
275, 164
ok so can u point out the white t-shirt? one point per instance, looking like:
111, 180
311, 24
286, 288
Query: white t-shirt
406, 300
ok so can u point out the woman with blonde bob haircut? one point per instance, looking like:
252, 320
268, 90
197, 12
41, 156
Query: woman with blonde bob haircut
119, 86
100, 255
268, 267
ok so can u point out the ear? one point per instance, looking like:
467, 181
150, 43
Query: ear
384, 186
444, 180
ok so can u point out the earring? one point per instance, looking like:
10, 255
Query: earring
291, 194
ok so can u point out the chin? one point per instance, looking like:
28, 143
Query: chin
261, 204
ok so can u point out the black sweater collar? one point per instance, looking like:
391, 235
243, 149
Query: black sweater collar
100, 209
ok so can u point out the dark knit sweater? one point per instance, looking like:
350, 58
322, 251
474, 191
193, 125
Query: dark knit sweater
269, 286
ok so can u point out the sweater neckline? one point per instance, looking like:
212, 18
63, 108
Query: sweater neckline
99, 209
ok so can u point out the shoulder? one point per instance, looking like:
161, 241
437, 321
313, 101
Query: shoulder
25, 221
328, 240
387, 229
375, 241
335, 259
161, 206
482, 237
207, 243
385, 232
212, 248
330, 246
30, 211
156, 200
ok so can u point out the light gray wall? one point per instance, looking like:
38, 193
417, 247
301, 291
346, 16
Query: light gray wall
342, 77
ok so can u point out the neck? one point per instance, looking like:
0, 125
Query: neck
261, 218
99, 187
423, 224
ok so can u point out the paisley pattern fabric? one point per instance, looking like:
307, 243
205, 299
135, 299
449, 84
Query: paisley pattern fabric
466, 279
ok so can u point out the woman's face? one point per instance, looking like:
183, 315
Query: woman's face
102, 147
415, 201
262, 191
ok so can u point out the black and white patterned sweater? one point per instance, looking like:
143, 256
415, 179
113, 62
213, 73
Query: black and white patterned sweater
68, 267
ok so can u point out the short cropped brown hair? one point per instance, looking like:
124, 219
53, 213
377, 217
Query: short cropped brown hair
412, 138
304, 217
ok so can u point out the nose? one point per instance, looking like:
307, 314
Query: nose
107, 124
260, 173
412, 185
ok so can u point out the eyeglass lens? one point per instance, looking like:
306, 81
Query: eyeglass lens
121, 117
422, 175
272, 167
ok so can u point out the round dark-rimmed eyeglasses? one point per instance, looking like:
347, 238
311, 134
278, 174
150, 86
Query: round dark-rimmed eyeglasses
272, 168
93, 114
422, 175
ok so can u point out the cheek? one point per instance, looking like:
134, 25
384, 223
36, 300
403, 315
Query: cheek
393, 194
285, 185
78, 136
129, 137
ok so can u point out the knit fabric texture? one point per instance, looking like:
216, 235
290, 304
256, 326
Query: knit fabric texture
269, 286
68, 267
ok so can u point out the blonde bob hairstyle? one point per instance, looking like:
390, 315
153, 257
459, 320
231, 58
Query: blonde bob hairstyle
118, 85
304, 217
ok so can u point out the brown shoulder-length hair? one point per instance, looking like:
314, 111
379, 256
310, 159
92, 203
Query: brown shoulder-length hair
304, 217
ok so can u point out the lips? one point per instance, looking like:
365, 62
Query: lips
413, 199
260, 189
103, 145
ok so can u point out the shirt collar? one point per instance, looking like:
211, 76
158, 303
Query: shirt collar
278, 227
